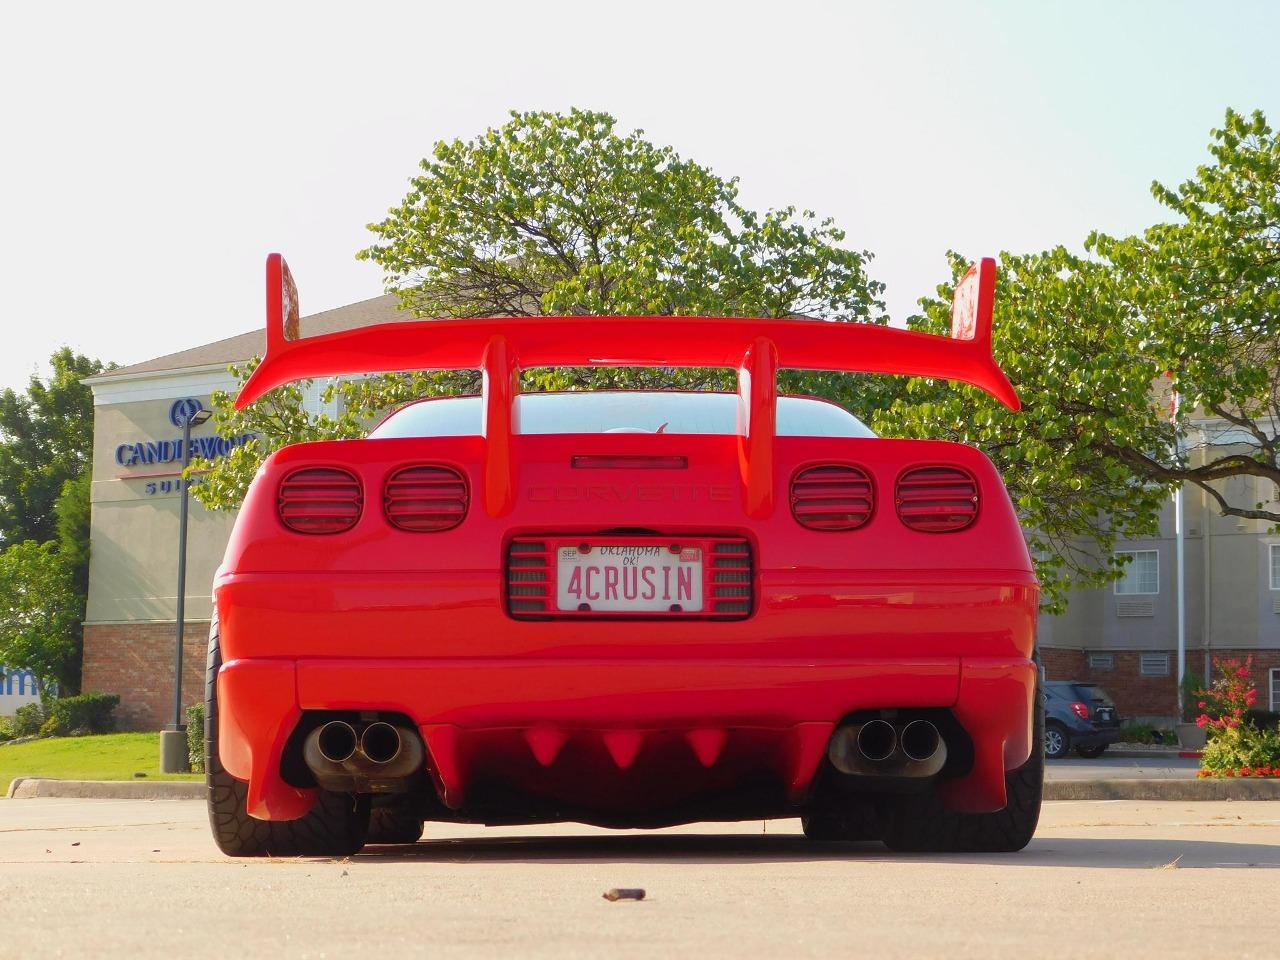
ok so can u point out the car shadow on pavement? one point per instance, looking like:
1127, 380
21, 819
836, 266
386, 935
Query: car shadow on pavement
1076, 852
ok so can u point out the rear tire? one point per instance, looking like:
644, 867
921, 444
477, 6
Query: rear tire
848, 819
923, 824
396, 823
335, 827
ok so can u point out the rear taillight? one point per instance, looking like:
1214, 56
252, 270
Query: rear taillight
425, 499
1081, 710
831, 497
319, 500
937, 499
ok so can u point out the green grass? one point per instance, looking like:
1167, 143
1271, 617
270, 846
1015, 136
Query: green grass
112, 756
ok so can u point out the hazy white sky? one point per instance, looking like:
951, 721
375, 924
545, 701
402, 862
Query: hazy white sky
151, 155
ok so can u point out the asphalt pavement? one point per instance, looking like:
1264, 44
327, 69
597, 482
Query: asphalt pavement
110, 878
1167, 767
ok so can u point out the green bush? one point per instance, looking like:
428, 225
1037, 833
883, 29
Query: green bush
1191, 692
84, 713
28, 720
195, 737
1232, 749
1146, 733
6, 729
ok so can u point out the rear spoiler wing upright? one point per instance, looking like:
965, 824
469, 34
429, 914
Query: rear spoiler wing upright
757, 348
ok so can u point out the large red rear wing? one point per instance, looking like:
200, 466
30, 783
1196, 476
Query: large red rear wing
757, 348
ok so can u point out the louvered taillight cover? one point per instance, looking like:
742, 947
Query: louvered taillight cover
834, 496
937, 499
319, 500
425, 499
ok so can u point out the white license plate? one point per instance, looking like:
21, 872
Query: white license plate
629, 578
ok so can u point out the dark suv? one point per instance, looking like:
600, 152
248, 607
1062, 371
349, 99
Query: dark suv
1079, 715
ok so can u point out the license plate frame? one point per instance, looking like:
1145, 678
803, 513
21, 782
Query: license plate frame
723, 584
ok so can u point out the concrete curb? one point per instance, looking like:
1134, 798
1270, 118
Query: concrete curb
1208, 789
31, 788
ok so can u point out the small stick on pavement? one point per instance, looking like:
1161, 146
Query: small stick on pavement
624, 893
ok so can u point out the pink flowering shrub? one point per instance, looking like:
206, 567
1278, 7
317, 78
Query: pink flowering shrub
1236, 748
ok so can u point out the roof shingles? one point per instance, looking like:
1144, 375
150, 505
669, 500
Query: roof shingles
237, 349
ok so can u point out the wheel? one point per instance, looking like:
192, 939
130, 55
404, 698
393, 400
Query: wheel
394, 824
334, 827
1057, 741
1090, 753
924, 824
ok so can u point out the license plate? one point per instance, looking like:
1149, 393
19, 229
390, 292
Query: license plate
629, 578
1104, 715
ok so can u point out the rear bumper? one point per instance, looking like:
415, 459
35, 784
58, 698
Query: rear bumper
1091, 736
650, 717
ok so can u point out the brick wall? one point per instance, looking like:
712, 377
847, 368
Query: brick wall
1139, 696
1136, 695
135, 660
1062, 664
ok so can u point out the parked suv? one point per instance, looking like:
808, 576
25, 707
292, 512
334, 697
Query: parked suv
1079, 715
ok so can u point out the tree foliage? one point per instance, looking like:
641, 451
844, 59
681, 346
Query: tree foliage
560, 214
1096, 342
46, 439
1207, 290
38, 613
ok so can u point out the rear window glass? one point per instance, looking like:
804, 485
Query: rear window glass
1089, 691
620, 412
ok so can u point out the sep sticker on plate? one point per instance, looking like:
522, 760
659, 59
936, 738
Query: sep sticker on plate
629, 578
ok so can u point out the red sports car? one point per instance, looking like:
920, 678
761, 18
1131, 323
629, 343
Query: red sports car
625, 609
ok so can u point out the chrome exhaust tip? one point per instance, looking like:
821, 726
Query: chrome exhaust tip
877, 740
336, 741
380, 742
920, 740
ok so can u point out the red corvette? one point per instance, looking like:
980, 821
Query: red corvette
625, 609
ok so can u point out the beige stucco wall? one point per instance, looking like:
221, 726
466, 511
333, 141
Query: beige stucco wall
134, 523
1229, 598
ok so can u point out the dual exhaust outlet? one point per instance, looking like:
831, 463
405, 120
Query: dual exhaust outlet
379, 758
879, 748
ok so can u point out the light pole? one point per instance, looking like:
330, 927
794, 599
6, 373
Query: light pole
173, 739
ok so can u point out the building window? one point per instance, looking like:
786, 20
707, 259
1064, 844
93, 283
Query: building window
1275, 566
1101, 661
1275, 689
1154, 665
313, 397
1141, 574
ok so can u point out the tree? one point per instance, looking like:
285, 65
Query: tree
38, 619
46, 438
559, 214
1096, 343
1207, 290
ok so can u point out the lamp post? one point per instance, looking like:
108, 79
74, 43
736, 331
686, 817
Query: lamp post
174, 757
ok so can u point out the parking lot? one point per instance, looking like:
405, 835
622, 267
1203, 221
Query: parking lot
1158, 767
142, 878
